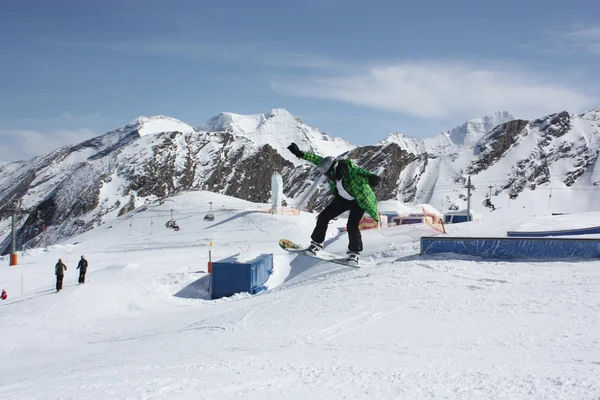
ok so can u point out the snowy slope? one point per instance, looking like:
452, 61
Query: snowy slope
405, 327
550, 168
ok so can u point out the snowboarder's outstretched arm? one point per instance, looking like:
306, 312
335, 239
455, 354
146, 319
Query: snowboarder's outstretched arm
372, 177
364, 172
310, 157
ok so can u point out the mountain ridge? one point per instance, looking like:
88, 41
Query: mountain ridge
152, 158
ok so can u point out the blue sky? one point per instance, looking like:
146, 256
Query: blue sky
359, 70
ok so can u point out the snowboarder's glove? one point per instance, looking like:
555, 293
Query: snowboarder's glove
295, 150
374, 180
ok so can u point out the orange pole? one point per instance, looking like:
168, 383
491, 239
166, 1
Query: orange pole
13, 259
210, 259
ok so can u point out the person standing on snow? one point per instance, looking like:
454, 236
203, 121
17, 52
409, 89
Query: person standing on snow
59, 270
351, 186
82, 267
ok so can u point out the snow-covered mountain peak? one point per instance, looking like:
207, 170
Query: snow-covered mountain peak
243, 124
157, 124
592, 115
277, 128
471, 131
405, 142
235, 122
465, 135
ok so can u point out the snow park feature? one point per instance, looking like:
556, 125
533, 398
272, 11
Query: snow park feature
568, 232
241, 273
512, 248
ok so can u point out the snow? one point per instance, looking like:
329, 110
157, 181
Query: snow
471, 131
278, 129
465, 135
407, 143
143, 327
158, 124
225, 120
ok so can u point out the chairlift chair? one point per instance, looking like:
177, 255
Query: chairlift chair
210, 216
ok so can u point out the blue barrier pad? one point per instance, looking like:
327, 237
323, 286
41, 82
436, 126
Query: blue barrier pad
512, 248
594, 230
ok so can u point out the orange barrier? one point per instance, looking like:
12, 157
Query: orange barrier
435, 222
367, 223
13, 259
209, 268
281, 211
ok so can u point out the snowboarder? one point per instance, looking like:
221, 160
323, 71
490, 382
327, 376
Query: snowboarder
4, 295
82, 267
351, 186
59, 270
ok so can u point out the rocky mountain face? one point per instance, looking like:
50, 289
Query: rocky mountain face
75, 188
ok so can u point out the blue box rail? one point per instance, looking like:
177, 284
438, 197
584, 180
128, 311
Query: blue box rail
239, 274
510, 248
594, 230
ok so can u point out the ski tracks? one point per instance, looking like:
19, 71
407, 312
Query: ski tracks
354, 323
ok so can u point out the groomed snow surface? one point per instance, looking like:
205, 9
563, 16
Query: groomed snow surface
406, 327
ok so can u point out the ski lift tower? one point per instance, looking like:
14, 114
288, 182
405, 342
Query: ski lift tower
13, 209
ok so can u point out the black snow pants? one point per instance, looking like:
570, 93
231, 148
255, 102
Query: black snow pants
335, 208
82, 272
59, 281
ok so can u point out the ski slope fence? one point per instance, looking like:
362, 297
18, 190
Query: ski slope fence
508, 248
281, 211
240, 273
570, 232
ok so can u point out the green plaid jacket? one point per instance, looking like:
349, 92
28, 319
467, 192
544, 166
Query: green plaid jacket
355, 181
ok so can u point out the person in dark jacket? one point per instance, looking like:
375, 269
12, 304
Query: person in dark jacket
352, 189
59, 270
82, 267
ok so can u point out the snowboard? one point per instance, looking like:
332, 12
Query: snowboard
323, 255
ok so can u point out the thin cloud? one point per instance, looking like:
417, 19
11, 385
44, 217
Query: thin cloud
157, 47
22, 144
84, 119
439, 90
239, 53
586, 37
576, 40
